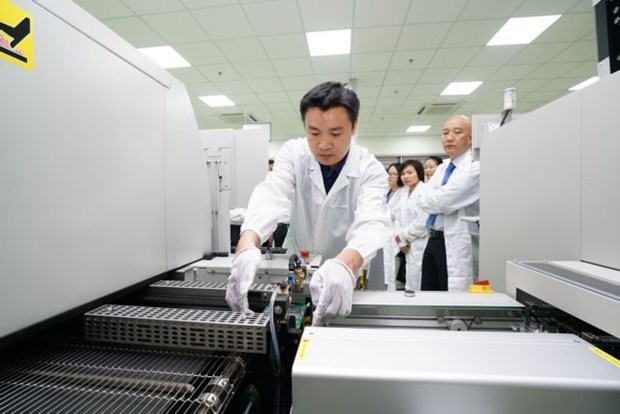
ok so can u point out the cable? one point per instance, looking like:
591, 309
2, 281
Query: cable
506, 113
272, 326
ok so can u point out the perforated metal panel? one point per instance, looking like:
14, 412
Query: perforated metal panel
180, 328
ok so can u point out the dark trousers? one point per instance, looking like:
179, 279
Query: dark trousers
434, 265
280, 234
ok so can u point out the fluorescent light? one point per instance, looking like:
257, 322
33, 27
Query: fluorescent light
418, 128
522, 30
215, 101
332, 42
461, 88
165, 56
584, 83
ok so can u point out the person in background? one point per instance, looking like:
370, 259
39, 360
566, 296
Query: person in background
453, 192
411, 223
430, 165
393, 258
337, 193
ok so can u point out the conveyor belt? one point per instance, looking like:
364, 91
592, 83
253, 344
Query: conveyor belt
81, 377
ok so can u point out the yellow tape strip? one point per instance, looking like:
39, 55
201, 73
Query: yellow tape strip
605, 355
303, 349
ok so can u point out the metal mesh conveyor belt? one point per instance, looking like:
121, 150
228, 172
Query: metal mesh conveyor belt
78, 377
209, 330
203, 293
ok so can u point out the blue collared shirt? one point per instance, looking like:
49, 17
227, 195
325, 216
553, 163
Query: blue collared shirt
330, 175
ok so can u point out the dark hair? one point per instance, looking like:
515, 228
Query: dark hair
396, 165
329, 95
435, 158
417, 166
271, 162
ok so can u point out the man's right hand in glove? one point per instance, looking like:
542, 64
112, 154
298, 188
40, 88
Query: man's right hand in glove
244, 266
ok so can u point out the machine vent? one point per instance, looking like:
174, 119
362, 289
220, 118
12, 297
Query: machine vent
238, 118
437, 108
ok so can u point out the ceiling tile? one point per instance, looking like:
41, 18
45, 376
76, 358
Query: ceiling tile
579, 51
234, 86
551, 70
200, 53
319, 15
397, 91
370, 61
187, 75
255, 70
203, 89
413, 59
201, 4
368, 92
366, 79
105, 10
584, 70
150, 6
489, 9
427, 11
342, 76
276, 97
285, 46
513, 72
224, 22
396, 77
367, 14
328, 64
266, 85
374, 39
274, 17
442, 75
219, 72
246, 49
538, 53
450, 58
430, 89
581, 6
528, 85
544, 8
423, 36
297, 82
496, 55
280, 107
292, 67
176, 27
570, 27
480, 73
472, 33
135, 31
561, 84
244, 98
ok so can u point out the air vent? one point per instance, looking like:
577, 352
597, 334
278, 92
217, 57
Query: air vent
238, 118
437, 108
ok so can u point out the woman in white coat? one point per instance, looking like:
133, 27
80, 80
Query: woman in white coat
391, 262
411, 222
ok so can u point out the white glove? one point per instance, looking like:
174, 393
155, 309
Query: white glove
244, 266
332, 291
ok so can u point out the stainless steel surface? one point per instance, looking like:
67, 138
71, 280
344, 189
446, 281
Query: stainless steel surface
437, 310
360, 371
585, 291
81, 377
179, 328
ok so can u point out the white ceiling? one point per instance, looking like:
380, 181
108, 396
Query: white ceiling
404, 53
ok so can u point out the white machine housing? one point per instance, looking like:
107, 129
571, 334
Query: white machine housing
101, 169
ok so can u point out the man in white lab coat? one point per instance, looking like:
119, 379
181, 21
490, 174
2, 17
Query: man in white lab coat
452, 193
336, 190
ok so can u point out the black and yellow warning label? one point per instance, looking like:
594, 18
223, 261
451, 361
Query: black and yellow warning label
16, 40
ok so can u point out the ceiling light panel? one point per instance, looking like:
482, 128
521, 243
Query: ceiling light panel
165, 56
418, 128
522, 30
329, 43
461, 88
216, 101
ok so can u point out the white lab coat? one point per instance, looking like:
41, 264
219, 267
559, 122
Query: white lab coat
459, 197
390, 250
353, 215
411, 228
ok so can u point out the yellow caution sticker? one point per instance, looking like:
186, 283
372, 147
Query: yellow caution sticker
16, 38
605, 355
302, 351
